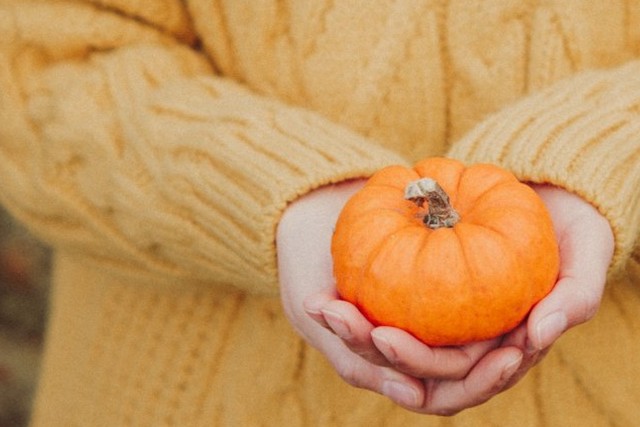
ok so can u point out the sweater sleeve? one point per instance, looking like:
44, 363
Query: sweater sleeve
118, 142
582, 134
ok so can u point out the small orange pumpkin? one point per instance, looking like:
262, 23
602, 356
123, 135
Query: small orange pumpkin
449, 253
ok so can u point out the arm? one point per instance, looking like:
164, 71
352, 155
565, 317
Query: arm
562, 136
119, 143
583, 135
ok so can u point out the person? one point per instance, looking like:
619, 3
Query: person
187, 162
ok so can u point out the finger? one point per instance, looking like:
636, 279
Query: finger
356, 371
576, 297
409, 355
528, 361
346, 321
485, 380
585, 249
572, 302
314, 304
531, 356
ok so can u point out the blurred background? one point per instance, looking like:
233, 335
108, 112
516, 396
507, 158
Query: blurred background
24, 284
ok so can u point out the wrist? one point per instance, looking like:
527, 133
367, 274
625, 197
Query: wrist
318, 207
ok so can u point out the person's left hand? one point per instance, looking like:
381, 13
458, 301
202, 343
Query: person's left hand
390, 361
586, 244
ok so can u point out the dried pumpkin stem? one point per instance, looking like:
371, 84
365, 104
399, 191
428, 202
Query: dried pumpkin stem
441, 213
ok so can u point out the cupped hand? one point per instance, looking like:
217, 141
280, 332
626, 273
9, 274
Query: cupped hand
586, 244
389, 361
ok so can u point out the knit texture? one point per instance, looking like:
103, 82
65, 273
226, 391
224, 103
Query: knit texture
155, 144
588, 126
127, 354
125, 146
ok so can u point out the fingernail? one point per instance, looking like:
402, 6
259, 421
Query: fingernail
317, 316
550, 328
310, 308
383, 345
400, 393
338, 324
313, 312
511, 368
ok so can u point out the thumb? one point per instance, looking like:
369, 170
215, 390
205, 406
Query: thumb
586, 248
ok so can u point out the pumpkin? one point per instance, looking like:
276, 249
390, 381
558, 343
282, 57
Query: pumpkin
451, 254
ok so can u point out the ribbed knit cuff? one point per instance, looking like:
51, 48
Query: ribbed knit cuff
582, 134
227, 162
272, 155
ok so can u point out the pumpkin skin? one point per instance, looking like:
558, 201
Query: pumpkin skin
448, 286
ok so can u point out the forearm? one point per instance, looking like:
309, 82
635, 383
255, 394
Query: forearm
582, 134
126, 147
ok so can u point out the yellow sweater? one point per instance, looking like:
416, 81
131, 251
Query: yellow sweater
155, 143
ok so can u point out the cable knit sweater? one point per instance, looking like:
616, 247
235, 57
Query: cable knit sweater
155, 143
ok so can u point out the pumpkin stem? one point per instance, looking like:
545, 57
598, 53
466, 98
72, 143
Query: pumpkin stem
441, 213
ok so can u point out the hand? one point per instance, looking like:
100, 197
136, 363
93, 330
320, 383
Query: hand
586, 245
391, 362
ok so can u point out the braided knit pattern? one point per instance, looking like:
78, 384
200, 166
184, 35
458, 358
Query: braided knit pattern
154, 145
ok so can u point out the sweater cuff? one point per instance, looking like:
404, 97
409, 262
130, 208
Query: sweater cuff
298, 152
582, 134
119, 144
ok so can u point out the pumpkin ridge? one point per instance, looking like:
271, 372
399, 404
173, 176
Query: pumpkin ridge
476, 202
461, 245
498, 288
454, 194
463, 254
373, 255
504, 240
378, 248
411, 311
504, 179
